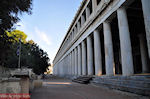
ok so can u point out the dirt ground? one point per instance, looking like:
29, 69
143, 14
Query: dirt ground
59, 88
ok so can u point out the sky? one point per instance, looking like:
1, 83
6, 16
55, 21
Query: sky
49, 23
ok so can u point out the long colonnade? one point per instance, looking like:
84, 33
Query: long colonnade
100, 40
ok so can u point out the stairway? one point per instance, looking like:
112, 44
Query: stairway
134, 84
83, 79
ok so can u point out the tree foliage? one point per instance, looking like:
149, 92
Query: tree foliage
39, 59
32, 55
15, 35
9, 10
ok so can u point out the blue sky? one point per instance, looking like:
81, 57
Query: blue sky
49, 23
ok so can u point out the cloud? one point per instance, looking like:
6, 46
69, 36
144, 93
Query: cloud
42, 36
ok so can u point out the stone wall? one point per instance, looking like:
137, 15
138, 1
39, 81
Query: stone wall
11, 85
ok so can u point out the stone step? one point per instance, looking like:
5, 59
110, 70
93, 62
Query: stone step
82, 79
136, 85
124, 81
135, 78
82, 82
130, 84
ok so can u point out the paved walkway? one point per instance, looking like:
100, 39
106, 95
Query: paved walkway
65, 89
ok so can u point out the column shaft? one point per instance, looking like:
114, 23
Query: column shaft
94, 5
84, 62
79, 60
75, 31
78, 25
87, 13
109, 57
126, 50
90, 56
76, 62
82, 20
144, 54
73, 62
146, 13
70, 70
97, 53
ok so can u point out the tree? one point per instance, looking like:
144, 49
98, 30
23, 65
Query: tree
39, 58
9, 10
31, 42
32, 55
10, 46
15, 35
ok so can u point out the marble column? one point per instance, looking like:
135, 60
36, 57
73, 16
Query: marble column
79, 60
76, 62
109, 56
125, 43
87, 13
82, 20
64, 67
71, 64
84, 62
78, 26
67, 64
97, 53
90, 56
72, 35
144, 54
146, 13
94, 5
75, 31
70, 72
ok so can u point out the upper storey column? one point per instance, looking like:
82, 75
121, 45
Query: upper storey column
109, 56
146, 13
78, 26
84, 62
126, 50
90, 55
75, 31
97, 53
94, 5
87, 12
82, 20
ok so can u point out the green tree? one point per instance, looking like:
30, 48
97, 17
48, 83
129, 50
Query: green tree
39, 58
32, 55
10, 46
16, 35
9, 11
